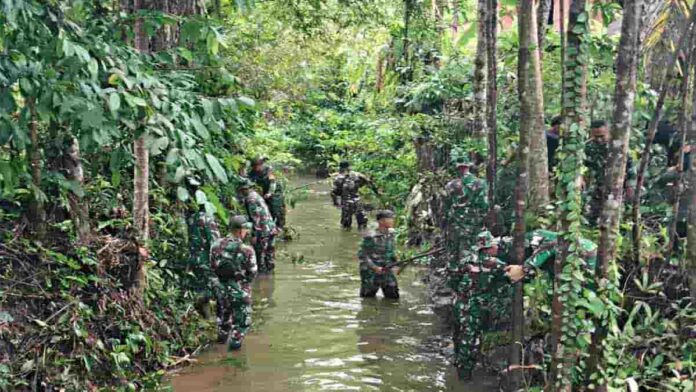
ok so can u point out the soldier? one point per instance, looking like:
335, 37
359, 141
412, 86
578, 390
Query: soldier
596, 154
202, 232
234, 264
264, 177
476, 280
466, 204
264, 231
345, 195
376, 251
541, 252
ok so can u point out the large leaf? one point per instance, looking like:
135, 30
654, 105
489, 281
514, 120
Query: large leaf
217, 168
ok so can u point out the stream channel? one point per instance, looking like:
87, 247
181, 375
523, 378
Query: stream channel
312, 332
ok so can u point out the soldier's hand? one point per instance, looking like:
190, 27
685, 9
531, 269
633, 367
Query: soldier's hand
253, 240
379, 270
514, 272
395, 270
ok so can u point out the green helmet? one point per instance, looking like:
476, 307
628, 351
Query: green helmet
485, 240
239, 222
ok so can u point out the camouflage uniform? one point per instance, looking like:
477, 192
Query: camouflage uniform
466, 205
377, 250
202, 232
541, 248
276, 201
596, 160
479, 298
263, 230
235, 265
346, 187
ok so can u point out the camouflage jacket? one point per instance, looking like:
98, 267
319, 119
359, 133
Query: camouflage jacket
267, 181
467, 198
232, 260
347, 185
259, 215
474, 270
596, 160
377, 249
202, 231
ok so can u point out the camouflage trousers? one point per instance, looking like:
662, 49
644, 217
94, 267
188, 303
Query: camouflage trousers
371, 283
264, 247
350, 208
235, 306
276, 205
474, 311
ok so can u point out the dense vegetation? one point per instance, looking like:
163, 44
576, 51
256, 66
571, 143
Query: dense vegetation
108, 108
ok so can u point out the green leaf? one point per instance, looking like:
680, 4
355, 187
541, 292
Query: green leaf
159, 145
246, 101
93, 68
93, 118
200, 197
582, 17
201, 130
212, 43
217, 168
182, 194
114, 103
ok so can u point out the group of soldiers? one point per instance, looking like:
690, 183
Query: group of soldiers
223, 268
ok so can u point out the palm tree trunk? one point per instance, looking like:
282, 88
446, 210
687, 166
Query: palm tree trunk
37, 211
79, 207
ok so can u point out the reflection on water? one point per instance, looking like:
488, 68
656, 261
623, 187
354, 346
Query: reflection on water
312, 332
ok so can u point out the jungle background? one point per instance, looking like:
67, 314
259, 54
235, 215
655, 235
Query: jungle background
106, 108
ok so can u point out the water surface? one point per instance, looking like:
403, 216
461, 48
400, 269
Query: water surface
312, 332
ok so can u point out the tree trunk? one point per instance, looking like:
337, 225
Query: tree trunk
141, 175
379, 72
491, 105
479, 124
652, 130
454, 27
538, 163
543, 10
37, 211
406, 58
624, 98
683, 130
79, 207
565, 288
527, 86
691, 192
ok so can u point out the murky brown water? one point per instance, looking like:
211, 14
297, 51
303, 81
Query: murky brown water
312, 332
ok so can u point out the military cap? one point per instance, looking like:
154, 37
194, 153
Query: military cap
385, 214
461, 160
239, 222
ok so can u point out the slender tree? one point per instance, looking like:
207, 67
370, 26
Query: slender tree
652, 130
691, 197
565, 286
624, 98
526, 90
491, 104
543, 10
479, 124
37, 210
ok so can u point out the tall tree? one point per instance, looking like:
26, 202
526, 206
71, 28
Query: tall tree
652, 130
624, 98
538, 163
543, 10
479, 123
491, 103
527, 91
691, 197
141, 175
565, 287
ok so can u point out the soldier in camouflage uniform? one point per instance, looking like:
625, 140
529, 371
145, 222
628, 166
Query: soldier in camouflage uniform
596, 160
345, 195
479, 296
264, 230
202, 232
466, 204
541, 253
234, 264
264, 177
377, 250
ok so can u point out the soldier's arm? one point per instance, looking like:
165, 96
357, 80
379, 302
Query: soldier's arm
255, 215
336, 191
212, 229
273, 183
